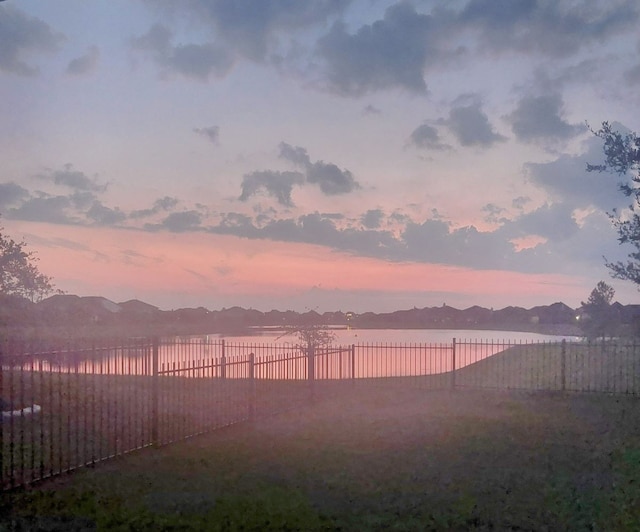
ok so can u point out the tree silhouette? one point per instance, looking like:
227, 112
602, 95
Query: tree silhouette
597, 317
311, 336
622, 156
19, 276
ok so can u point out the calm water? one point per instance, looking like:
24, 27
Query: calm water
386, 352
383, 352
400, 336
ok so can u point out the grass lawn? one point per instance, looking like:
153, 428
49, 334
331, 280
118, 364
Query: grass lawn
614, 368
371, 458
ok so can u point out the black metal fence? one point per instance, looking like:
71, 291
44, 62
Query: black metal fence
75, 406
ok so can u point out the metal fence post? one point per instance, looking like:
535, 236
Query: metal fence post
223, 361
311, 370
453, 365
353, 363
563, 365
252, 384
154, 390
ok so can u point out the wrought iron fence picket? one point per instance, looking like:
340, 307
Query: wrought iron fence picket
100, 401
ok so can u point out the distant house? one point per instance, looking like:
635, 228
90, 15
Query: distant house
135, 306
71, 308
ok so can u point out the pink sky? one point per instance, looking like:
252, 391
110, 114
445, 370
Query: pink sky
215, 271
320, 154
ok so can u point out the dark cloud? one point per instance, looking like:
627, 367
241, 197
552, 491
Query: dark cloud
314, 228
566, 245
595, 239
179, 222
44, 208
252, 28
73, 179
156, 40
11, 193
165, 203
566, 179
471, 125
211, 133
496, 14
396, 51
318, 228
102, 215
276, 184
84, 64
430, 241
493, 213
20, 37
520, 202
553, 221
572, 249
331, 179
195, 61
295, 154
328, 176
160, 205
372, 218
237, 224
390, 53
257, 31
565, 241
549, 27
426, 136
541, 118
82, 199
81, 206
587, 71
199, 61
435, 241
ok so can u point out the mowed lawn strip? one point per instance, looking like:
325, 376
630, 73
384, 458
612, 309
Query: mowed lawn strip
596, 367
372, 458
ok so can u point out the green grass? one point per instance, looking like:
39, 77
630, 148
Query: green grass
587, 367
371, 458
86, 418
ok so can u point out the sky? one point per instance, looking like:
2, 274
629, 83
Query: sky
354, 155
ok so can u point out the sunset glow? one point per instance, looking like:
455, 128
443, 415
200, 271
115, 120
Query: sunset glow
320, 155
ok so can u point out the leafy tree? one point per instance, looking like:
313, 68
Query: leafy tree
19, 276
597, 316
315, 336
311, 336
622, 156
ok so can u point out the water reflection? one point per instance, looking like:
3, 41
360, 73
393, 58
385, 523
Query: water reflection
365, 353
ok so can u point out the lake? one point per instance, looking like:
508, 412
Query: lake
378, 352
398, 336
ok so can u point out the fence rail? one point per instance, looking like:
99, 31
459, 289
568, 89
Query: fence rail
64, 408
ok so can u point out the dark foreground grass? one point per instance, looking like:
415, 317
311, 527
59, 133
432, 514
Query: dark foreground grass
371, 459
